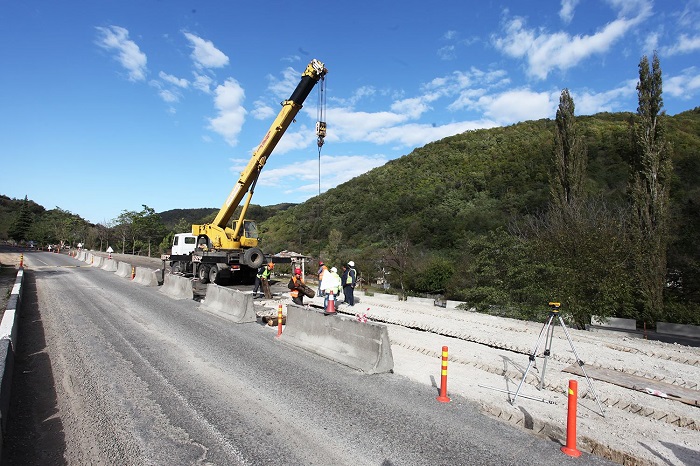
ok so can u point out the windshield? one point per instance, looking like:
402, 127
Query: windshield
250, 229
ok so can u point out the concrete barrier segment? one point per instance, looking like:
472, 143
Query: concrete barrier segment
123, 270
98, 261
81, 256
177, 287
146, 277
230, 304
110, 265
88, 258
363, 346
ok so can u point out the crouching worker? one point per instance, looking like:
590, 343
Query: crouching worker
295, 285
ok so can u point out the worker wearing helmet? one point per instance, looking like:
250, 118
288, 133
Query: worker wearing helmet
349, 281
262, 280
322, 269
295, 285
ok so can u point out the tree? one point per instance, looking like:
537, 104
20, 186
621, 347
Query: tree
125, 228
20, 228
570, 160
149, 226
649, 188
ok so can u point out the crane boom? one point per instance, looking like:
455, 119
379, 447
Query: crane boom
219, 235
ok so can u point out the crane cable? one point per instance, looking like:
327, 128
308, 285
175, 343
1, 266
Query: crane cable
321, 124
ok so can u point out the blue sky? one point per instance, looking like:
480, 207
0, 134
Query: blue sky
108, 105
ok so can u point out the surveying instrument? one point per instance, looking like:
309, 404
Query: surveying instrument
548, 333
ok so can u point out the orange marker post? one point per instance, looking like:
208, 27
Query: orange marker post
279, 321
21, 260
133, 272
570, 447
443, 398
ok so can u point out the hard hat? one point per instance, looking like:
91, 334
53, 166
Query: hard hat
351, 264
271, 265
320, 262
297, 271
334, 270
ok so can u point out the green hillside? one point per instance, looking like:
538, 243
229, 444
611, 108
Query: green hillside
436, 216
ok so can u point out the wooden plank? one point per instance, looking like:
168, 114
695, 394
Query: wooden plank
635, 382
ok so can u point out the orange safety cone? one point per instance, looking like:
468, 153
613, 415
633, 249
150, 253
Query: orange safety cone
330, 308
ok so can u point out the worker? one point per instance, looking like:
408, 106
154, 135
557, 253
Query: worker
330, 284
349, 280
321, 270
263, 274
296, 284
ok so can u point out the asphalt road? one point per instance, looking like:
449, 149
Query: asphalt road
112, 372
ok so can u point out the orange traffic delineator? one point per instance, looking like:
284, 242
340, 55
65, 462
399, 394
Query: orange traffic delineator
443, 398
133, 272
279, 321
21, 260
570, 447
330, 308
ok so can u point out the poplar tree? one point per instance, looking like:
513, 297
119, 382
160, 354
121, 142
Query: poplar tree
649, 188
570, 159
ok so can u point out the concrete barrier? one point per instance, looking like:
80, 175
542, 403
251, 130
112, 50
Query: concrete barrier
98, 261
123, 270
8, 343
614, 322
81, 256
363, 346
230, 304
146, 277
110, 265
176, 286
415, 299
692, 331
88, 258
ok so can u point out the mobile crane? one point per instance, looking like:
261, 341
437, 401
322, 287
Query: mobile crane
215, 250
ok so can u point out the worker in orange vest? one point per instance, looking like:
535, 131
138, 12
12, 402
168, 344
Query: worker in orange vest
295, 284
322, 268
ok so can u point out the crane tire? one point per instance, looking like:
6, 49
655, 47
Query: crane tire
253, 258
203, 274
213, 273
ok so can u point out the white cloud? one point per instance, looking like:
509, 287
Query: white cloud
228, 101
684, 86
589, 103
545, 52
115, 38
685, 44
175, 81
567, 10
301, 178
203, 83
204, 53
283, 88
262, 111
518, 105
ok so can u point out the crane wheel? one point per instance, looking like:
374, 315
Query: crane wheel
203, 274
213, 273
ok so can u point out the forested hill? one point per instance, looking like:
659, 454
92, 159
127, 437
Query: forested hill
444, 198
474, 182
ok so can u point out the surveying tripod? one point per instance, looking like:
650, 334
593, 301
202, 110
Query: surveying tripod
548, 333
